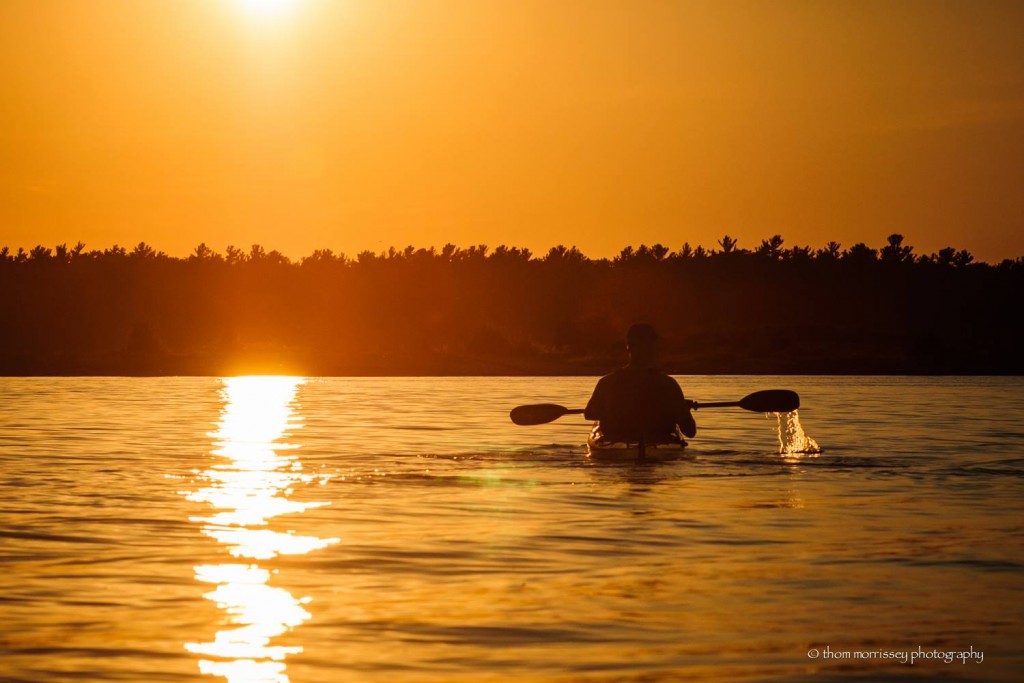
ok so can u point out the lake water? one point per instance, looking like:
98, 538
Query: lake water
397, 529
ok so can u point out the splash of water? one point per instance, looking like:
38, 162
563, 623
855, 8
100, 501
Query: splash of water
792, 438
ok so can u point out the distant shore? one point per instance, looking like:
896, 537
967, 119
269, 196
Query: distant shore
507, 312
150, 365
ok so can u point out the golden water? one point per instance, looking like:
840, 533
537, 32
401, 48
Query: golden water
319, 530
246, 488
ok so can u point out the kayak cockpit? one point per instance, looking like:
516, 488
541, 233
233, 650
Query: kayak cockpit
600, 448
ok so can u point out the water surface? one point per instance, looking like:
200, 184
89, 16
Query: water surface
396, 529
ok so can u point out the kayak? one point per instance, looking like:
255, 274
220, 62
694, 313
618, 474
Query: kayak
600, 449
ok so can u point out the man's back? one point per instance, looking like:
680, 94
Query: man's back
635, 401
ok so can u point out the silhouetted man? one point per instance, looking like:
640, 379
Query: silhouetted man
640, 402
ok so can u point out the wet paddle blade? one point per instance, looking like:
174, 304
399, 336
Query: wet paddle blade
538, 414
771, 401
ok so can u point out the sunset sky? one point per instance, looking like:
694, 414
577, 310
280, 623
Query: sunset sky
362, 124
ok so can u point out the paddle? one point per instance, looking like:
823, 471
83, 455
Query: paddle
768, 401
541, 413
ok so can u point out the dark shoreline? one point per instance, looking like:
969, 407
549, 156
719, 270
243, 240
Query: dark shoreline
473, 312
171, 367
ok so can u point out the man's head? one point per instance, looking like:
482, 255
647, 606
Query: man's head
641, 341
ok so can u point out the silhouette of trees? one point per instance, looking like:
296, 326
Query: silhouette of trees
505, 310
895, 252
771, 247
830, 252
727, 243
860, 253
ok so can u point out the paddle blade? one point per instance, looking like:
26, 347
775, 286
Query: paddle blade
771, 401
537, 414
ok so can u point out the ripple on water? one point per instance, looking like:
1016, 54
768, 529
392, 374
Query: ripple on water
456, 546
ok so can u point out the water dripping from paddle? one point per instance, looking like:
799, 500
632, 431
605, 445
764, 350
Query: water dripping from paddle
793, 440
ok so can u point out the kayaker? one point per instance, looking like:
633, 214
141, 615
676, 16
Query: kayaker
640, 402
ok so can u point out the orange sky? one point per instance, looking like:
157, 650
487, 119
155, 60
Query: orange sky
361, 124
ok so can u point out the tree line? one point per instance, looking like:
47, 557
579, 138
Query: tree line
476, 310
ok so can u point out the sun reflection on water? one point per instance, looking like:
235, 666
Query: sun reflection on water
249, 485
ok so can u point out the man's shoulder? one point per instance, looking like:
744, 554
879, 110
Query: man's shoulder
618, 376
627, 375
607, 382
631, 372
667, 379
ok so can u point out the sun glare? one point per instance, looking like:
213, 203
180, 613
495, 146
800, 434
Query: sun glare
266, 8
247, 487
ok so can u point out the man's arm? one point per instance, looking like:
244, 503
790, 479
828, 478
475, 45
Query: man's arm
595, 409
685, 420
